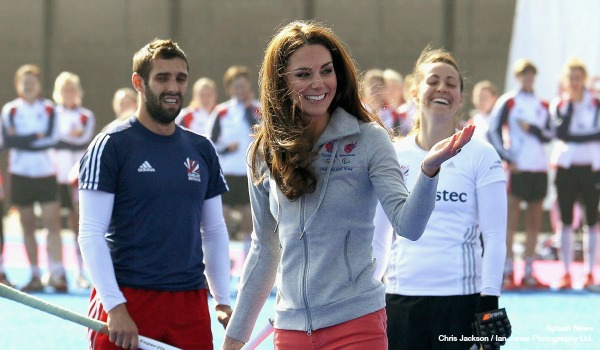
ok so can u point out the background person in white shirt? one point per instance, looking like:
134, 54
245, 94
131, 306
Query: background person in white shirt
75, 125
196, 116
230, 130
485, 95
520, 125
29, 131
394, 88
576, 155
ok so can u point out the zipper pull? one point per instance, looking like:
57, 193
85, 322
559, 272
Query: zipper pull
309, 332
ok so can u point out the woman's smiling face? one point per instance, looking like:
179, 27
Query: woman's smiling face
312, 81
439, 93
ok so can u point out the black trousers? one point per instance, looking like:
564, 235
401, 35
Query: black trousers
430, 322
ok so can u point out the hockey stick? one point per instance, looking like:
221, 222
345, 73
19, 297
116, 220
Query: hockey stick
98, 326
255, 341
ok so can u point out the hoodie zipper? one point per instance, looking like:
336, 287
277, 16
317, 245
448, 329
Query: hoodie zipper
305, 289
304, 239
346, 257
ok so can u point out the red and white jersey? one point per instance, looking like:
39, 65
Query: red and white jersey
447, 259
578, 132
29, 131
75, 131
196, 119
231, 123
523, 148
75, 127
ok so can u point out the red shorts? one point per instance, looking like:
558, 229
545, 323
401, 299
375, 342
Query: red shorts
180, 319
365, 332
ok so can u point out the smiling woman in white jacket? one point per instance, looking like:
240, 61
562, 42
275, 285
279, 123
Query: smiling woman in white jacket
318, 166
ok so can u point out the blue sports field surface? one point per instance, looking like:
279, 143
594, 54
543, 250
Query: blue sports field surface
541, 320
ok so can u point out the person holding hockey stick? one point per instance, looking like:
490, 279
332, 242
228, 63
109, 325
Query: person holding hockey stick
155, 189
436, 285
317, 150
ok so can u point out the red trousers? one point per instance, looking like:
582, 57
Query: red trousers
180, 319
366, 332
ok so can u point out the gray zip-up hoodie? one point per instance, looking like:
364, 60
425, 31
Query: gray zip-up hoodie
319, 247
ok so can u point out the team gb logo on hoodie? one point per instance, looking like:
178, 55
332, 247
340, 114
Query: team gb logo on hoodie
350, 147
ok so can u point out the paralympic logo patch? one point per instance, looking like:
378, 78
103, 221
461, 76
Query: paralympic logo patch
193, 170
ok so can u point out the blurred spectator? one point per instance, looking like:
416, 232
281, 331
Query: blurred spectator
374, 93
374, 97
29, 130
576, 156
124, 102
408, 111
394, 88
485, 95
230, 129
519, 127
75, 130
3, 276
196, 116
124, 105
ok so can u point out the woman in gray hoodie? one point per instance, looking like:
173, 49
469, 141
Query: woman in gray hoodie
317, 167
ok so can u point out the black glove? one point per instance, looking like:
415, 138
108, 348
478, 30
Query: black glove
491, 325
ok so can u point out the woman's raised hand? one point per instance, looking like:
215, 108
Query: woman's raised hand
446, 149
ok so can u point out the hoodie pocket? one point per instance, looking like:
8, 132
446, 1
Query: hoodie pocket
347, 257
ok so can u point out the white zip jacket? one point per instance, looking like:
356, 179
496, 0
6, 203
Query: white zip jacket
578, 132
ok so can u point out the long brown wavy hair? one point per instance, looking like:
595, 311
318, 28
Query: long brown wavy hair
281, 136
